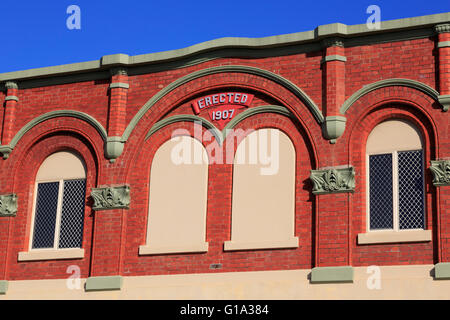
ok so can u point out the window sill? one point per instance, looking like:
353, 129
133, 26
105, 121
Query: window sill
51, 254
283, 244
394, 236
194, 248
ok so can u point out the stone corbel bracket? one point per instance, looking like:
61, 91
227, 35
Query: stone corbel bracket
114, 148
109, 198
8, 205
333, 127
333, 180
444, 100
441, 172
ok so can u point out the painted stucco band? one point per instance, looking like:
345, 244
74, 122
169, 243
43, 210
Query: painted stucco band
395, 236
442, 271
119, 85
332, 274
104, 283
3, 286
443, 44
9, 98
334, 57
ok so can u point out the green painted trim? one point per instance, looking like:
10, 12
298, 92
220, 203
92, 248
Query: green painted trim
332, 275
104, 283
110, 198
119, 85
115, 59
333, 127
253, 111
444, 100
441, 172
14, 98
8, 205
11, 85
334, 57
443, 44
388, 83
222, 69
442, 271
220, 135
333, 180
7, 149
55, 114
3, 286
442, 28
185, 117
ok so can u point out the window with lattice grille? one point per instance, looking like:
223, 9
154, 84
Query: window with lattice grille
395, 178
396, 191
59, 203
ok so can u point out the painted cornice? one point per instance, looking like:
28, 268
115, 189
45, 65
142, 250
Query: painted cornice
317, 35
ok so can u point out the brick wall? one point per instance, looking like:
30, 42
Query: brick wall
326, 225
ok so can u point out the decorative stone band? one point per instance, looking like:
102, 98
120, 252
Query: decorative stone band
441, 172
332, 274
119, 85
333, 180
14, 98
334, 57
442, 28
108, 198
443, 44
3, 286
442, 271
8, 205
104, 283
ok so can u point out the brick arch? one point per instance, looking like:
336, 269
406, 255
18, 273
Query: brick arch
28, 161
248, 81
239, 74
418, 113
219, 207
7, 149
66, 126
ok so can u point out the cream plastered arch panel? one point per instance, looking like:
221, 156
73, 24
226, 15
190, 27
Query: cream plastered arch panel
263, 200
178, 198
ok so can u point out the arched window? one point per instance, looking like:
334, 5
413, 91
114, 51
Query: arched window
178, 197
396, 198
263, 199
59, 201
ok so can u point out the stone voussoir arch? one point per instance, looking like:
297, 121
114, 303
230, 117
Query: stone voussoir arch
8, 148
394, 82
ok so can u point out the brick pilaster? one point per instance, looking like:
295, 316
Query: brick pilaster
443, 31
333, 65
11, 102
118, 101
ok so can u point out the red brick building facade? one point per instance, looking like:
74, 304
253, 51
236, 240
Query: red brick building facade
326, 90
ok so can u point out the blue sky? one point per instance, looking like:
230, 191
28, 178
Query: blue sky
35, 32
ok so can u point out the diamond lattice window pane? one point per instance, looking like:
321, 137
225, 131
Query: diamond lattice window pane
72, 216
381, 191
45, 215
411, 190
